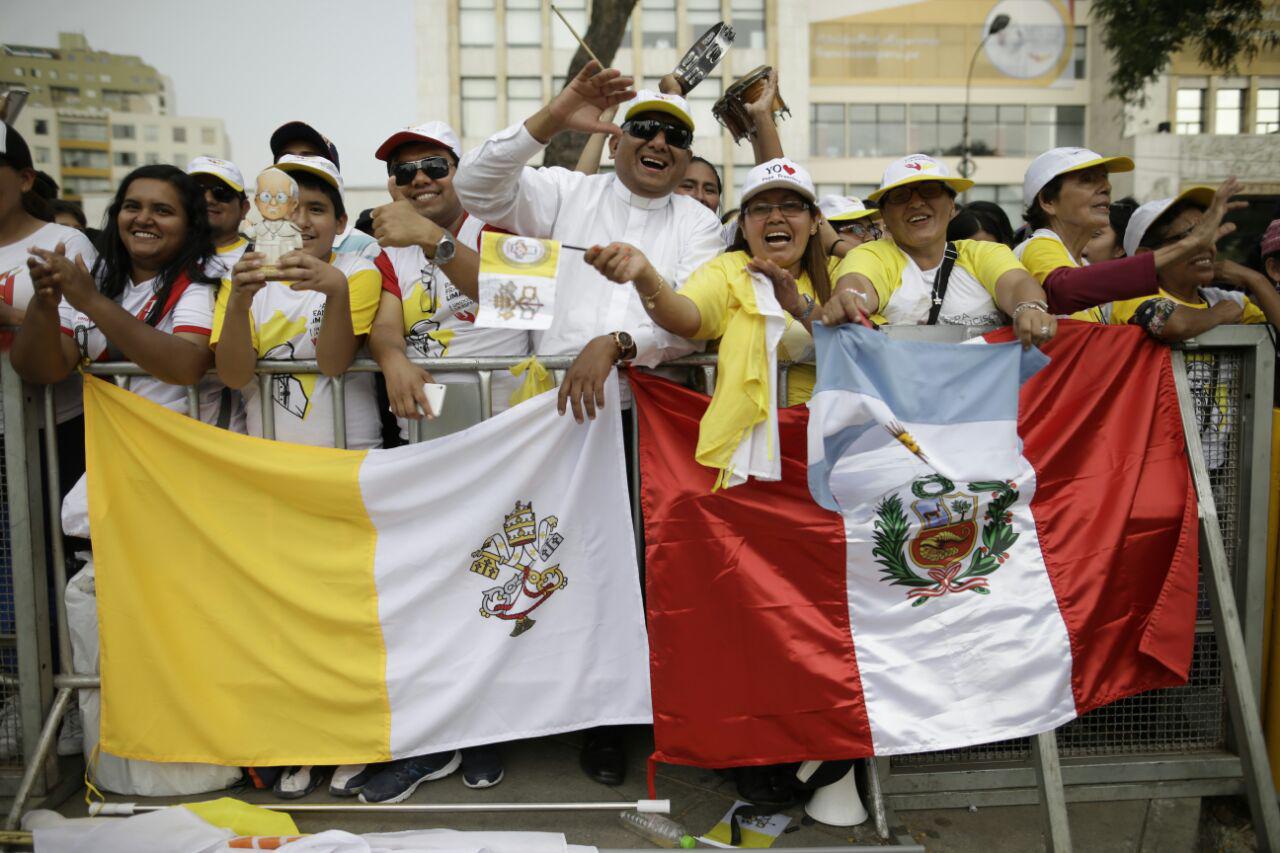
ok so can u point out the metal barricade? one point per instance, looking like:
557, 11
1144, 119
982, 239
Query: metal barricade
1169, 742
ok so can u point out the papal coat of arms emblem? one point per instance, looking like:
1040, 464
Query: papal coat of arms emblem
932, 562
522, 547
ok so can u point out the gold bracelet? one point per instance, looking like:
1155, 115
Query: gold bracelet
650, 301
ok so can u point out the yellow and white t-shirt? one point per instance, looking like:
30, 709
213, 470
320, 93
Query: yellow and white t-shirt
228, 256
905, 290
1043, 252
721, 286
1120, 313
192, 312
285, 324
439, 319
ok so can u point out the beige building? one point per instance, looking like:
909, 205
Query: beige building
92, 116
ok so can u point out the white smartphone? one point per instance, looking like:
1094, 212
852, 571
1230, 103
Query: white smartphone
435, 397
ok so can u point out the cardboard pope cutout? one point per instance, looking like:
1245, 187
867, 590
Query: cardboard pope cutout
277, 200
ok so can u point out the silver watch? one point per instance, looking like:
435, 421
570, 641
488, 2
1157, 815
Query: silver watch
446, 248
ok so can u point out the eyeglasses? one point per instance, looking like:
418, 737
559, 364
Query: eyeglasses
268, 197
864, 230
648, 128
221, 193
927, 190
436, 167
762, 209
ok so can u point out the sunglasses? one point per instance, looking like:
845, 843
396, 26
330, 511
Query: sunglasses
435, 166
927, 190
863, 230
648, 128
221, 193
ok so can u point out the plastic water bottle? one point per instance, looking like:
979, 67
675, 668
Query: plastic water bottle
658, 829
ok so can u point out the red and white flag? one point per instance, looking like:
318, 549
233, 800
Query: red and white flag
782, 631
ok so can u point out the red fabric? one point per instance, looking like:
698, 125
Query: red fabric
390, 282
1114, 496
751, 655
1069, 289
750, 649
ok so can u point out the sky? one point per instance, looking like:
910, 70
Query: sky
347, 68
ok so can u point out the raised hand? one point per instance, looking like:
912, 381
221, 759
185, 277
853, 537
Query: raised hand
55, 277
580, 104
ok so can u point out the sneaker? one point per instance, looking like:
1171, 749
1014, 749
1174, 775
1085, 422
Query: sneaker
398, 780
481, 767
297, 782
350, 779
71, 735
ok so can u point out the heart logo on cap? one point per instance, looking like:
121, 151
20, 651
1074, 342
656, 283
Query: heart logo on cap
788, 169
915, 166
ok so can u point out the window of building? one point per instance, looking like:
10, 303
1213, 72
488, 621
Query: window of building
18, 72
524, 23
1008, 196
152, 158
576, 13
747, 17
1228, 111
982, 130
41, 127
826, 130
79, 185
151, 133
41, 154
1267, 111
702, 15
524, 97
53, 74
479, 106
1189, 114
877, 130
124, 158
82, 130
1011, 131
76, 158
179, 134
1069, 131
208, 135
477, 23
1079, 52
123, 131
659, 20
64, 94
104, 78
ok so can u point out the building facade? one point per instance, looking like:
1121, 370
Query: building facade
92, 116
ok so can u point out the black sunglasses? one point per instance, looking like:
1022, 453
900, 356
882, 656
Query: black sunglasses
648, 128
221, 193
435, 166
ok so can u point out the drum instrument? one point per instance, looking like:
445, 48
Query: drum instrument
731, 109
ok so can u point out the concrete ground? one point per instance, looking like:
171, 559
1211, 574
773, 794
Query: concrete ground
546, 770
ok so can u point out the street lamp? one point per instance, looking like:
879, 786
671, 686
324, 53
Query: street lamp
966, 163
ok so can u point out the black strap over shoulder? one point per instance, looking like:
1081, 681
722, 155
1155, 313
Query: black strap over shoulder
949, 256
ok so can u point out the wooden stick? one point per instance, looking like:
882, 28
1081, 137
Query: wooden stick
575, 34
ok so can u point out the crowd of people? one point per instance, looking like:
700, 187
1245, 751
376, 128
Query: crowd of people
172, 284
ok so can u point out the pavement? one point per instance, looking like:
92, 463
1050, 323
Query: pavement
546, 770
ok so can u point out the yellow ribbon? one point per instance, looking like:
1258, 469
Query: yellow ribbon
536, 380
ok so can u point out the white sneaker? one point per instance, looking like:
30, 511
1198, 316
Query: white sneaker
71, 735
297, 782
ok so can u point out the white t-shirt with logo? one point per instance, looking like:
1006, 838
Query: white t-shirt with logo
16, 289
439, 319
285, 325
192, 313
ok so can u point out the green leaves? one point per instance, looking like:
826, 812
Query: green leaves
889, 537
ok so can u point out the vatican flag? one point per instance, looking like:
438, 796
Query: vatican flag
517, 281
265, 603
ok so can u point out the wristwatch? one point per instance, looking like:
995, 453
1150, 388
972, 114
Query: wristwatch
446, 248
626, 346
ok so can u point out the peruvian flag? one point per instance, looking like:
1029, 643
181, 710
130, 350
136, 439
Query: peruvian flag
967, 544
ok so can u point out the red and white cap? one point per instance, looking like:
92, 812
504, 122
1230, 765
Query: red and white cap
779, 173
321, 167
1060, 161
433, 132
223, 170
914, 169
1146, 215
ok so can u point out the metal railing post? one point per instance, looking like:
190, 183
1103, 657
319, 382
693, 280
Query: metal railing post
53, 468
340, 411
267, 403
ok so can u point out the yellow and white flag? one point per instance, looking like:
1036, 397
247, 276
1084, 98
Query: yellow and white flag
264, 603
517, 281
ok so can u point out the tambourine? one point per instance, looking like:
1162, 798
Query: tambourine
703, 57
731, 109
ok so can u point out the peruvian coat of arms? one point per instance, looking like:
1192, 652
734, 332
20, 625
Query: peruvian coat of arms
932, 562
522, 547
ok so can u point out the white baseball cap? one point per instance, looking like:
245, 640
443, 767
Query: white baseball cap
779, 173
321, 167
223, 170
839, 208
1060, 161
1146, 215
915, 168
649, 101
433, 132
